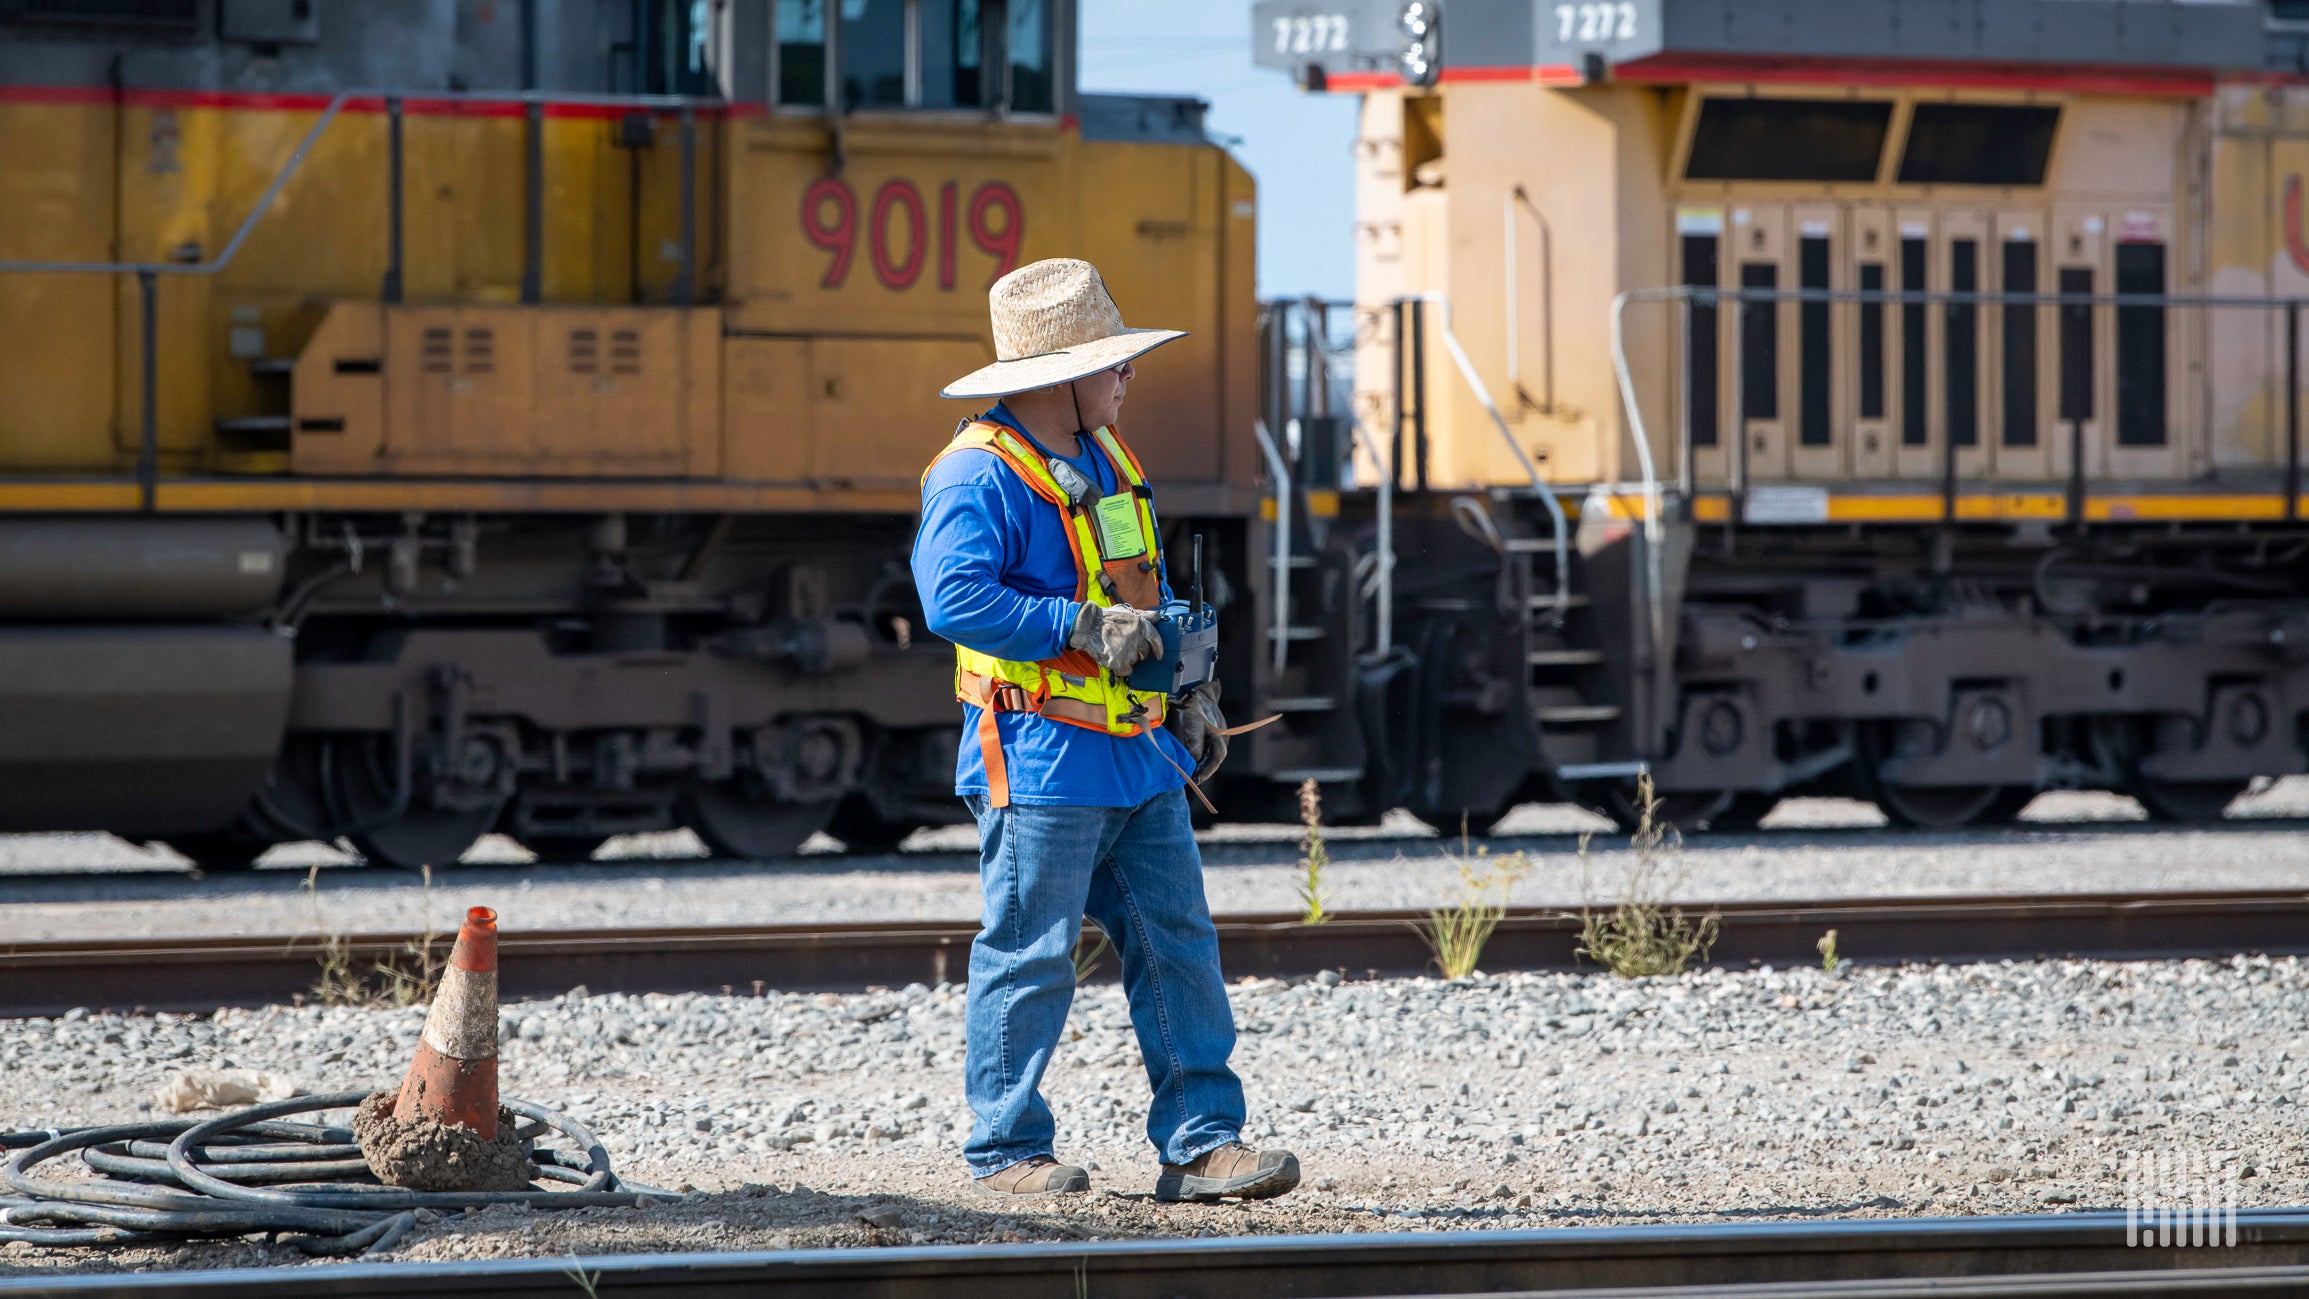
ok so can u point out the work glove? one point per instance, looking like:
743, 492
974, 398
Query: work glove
1196, 722
1118, 636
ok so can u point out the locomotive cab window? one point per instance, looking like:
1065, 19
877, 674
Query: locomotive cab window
1788, 139
801, 61
677, 46
874, 54
1978, 144
931, 54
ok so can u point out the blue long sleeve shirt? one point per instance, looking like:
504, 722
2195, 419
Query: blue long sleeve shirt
997, 574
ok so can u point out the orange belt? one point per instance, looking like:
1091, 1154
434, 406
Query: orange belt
992, 696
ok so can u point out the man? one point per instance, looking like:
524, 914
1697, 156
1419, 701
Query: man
1038, 558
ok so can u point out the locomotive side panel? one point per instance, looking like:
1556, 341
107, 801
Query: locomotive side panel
56, 182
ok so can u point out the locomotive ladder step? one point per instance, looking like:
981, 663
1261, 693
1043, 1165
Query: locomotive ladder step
254, 424
1530, 545
1294, 561
1302, 703
1575, 714
1548, 602
1564, 658
273, 365
1320, 775
1303, 633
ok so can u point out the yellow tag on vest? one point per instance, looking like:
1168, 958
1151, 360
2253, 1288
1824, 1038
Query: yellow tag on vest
1118, 531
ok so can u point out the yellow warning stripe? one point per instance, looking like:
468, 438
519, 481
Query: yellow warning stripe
1996, 507
69, 496
229, 495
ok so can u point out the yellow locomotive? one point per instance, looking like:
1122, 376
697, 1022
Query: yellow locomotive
425, 417
428, 417
1790, 395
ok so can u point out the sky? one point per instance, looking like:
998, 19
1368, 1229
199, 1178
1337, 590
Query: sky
1296, 145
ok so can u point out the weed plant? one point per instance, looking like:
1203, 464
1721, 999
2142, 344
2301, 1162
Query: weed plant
406, 979
1087, 953
1643, 934
1457, 934
1313, 856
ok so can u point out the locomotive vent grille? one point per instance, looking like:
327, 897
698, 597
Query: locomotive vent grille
584, 352
433, 352
625, 352
480, 351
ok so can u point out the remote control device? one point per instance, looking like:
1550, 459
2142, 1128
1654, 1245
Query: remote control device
1190, 634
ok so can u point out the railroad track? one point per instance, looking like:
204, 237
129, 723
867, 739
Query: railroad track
2079, 1254
41, 978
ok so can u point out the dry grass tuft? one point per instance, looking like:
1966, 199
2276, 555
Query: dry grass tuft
405, 979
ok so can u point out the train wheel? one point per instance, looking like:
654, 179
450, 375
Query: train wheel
1683, 809
1919, 807
2185, 800
1936, 807
739, 821
2123, 741
1745, 810
862, 829
564, 849
231, 849
2010, 802
408, 837
1476, 824
428, 837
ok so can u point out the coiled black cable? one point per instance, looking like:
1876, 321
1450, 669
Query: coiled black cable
247, 1171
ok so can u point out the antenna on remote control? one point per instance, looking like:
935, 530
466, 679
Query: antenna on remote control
1195, 610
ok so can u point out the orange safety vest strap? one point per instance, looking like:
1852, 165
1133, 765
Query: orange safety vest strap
990, 749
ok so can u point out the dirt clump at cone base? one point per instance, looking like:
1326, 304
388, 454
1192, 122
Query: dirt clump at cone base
428, 1155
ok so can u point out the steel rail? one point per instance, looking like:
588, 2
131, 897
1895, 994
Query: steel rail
2020, 1255
200, 974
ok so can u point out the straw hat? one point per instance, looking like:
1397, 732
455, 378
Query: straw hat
1054, 322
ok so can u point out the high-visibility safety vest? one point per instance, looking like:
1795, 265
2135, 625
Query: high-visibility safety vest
1117, 560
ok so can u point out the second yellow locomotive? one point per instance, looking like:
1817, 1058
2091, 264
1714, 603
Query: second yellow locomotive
1926, 393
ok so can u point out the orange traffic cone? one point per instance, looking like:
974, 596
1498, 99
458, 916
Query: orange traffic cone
454, 1077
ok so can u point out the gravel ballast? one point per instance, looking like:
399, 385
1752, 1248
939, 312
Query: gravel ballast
73, 887
1518, 1101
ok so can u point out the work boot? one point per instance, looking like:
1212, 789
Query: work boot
1233, 1169
1040, 1175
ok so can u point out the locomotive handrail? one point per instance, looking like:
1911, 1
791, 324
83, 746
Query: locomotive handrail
1655, 605
1539, 485
1279, 634
1386, 539
1546, 404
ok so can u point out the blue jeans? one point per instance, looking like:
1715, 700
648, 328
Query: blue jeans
1137, 873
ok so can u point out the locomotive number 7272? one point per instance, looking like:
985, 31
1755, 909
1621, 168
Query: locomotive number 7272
900, 234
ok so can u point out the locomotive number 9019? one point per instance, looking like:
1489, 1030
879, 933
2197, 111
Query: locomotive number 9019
901, 234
